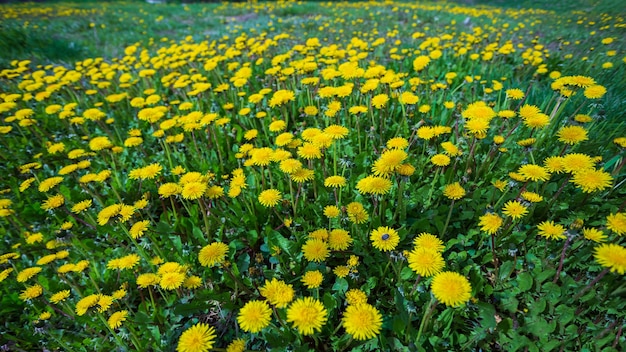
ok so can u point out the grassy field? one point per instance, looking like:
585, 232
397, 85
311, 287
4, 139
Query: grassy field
313, 176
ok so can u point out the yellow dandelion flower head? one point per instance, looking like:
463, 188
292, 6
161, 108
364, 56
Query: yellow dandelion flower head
277, 292
592, 180
315, 250
594, 235
59, 296
171, 281
198, 338
388, 162
550, 230
254, 316
572, 134
428, 241
616, 223
611, 256
534, 172
336, 131
454, 191
194, 190
312, 279
575, 162
425, 261
331, 211
384, 238
532, 197
339, 239
362, 321
213, 254
514, 209
269, 198
307, 315
116, 319
355, 296
238, 345
490, 223
451, 288
374, 185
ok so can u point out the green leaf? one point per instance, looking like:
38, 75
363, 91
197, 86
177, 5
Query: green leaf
341, 285
487, 315
524, 281
565, 313
406, 273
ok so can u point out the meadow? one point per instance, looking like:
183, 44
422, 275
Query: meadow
327, 176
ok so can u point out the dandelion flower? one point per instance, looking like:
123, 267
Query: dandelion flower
611, 256
616, 223
514, 209
193, 190
440, 160
380, 101
341, 271
389, 162
594, 235
28, 273
269, 198
591, 180
139, 228
307, 315
278, 293
339, 240
534, 172
59, 296
254, 316
575, 162
355, 296
490, 223
384, 238
81, 206
335, 181
594, 92
454, 191
425, 262
31, 292
374, 185
331, 211
428, 241
213, 254
312, 279
171, 281
198, 338
451, 288
315, 250
572, 134
116, 319
550, 230
336, 131
146, 280
362, 321
238, 345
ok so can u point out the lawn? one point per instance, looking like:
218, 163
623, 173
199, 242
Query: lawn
408, 176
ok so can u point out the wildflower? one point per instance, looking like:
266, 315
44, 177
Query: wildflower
302, 175
315, 250
336, 131
594, 235
397, 143
331, 211
213, 254
238, 345
451, 289
309, 151
490, 223
341, 271
172, 280
575, 162
277, 126
532, 197
408, 98
31, 292
425, 261
552, 231
312, 279
290, 165
534, 172
454, 191
28, 273
616, 223
116, 319
384, 238
60, 296
49, 183
81, 206
138, 229
514, 94
572, 134
380, 101
269, 198
591, 180
193, 190
53, 202
389, 162
254, 316
428, 241
339, 240
198, 338
374, 185
594, 92
307, 315
362, 321
99, 143
278, 293
514, 209
85, 303
611, 256
420, 62
355, 297
149, 279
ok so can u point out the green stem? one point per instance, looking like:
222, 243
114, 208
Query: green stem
425, 318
